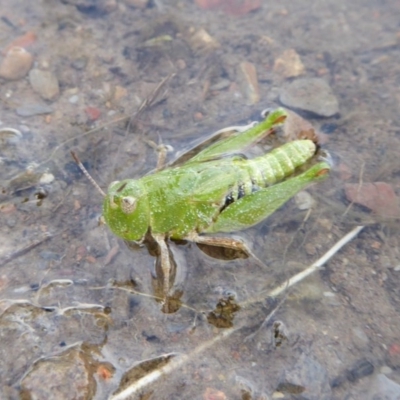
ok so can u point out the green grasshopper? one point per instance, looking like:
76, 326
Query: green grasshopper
217, 190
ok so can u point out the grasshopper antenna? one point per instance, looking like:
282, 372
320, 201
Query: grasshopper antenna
86, 173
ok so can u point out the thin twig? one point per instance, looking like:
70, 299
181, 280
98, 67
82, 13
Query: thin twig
319, 263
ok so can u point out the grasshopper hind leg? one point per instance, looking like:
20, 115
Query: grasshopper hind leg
226, 242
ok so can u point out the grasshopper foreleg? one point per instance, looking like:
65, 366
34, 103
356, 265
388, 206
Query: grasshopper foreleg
166, 266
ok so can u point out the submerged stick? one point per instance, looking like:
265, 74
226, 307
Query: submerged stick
319, 263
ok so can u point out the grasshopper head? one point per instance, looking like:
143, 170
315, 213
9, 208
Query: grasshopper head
124, 209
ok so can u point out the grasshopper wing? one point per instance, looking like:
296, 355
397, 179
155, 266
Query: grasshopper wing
257, 206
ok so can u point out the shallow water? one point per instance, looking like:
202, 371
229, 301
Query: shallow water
78, 306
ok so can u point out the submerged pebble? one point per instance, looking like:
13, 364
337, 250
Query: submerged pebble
248, 82
16, 63
359, 370
79, 63
74, 99
383, 388
137, 3
308, 378
33, 109
45, 83
304, 200
46, 178
289, 64
313, 95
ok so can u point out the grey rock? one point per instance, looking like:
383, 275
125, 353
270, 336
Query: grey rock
79, 63
93, 8
44, 83
66, 376
30, 110
313, 95
49, 255
359, 370
383, 388
307, 378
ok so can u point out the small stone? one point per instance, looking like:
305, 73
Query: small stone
383, 388
307, 379
93, 113
198, 116
11, 222
120, 92
16, 63
313, 95
94, 8
393, 356
248, 82
67, 376
142, 4
213, 394
360, 338
304, 200
379, 197
33, 109
181, 64
236, 8
310, 248
49, 255
80, 63
385, 370
201, 41
289, 64
359, 370
46, 178
74, 99
221, 85
7, 208
44, 83
296, 127
24, 41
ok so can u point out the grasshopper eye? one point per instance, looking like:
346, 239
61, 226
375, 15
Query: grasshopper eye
128, 204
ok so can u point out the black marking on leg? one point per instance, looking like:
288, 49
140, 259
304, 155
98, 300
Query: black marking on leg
229, 199
241, 191
254, 186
